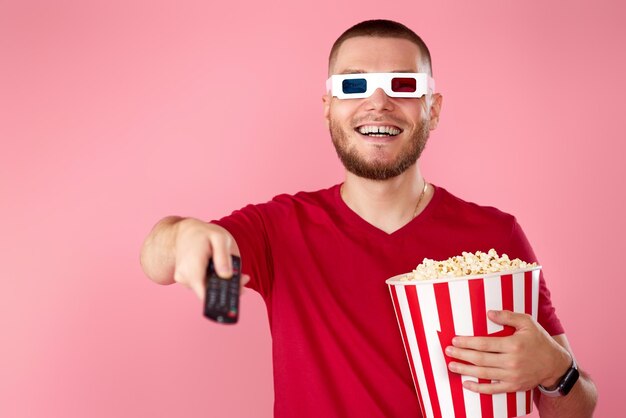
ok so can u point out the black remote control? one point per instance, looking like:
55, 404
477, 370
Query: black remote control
221, 302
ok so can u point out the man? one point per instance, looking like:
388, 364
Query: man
320, 259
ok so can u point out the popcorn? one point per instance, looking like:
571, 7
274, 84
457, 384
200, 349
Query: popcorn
466, 264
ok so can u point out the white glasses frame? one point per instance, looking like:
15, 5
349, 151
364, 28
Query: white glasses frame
424, 84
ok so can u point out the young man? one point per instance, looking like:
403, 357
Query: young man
320, 259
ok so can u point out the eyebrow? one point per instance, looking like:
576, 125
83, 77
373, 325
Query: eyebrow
358, 71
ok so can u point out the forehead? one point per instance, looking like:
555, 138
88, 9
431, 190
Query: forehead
373, 54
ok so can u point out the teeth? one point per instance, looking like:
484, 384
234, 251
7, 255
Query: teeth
371, 129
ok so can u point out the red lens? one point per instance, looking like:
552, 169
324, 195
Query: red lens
403, 85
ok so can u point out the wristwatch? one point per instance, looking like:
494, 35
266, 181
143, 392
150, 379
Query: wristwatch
566, 383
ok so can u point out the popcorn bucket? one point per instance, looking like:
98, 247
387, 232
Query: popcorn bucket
431, 312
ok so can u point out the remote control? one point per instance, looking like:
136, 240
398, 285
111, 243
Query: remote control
221, 302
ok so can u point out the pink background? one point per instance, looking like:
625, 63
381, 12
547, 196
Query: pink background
114, 114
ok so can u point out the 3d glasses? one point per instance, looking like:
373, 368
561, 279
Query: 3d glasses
358, 86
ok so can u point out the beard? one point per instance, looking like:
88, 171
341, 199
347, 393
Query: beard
379, 169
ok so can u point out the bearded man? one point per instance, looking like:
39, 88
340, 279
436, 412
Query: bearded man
320, 259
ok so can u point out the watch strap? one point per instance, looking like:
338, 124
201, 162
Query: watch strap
565, 383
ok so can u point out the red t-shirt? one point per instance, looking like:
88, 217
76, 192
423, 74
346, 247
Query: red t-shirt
321, 269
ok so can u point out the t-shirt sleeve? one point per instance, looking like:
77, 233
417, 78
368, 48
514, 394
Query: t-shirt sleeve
519, 247
248, 228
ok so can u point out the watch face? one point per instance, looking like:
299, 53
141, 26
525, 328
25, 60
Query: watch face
568, 381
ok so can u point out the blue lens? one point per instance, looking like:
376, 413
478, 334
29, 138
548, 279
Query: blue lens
354, 85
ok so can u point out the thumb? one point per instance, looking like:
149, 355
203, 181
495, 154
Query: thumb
513, 319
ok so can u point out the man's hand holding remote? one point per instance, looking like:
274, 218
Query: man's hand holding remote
178, 250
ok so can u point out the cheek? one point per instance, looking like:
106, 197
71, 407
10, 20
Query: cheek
414, 112
342, 111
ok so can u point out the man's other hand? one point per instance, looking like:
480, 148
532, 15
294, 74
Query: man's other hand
514, 363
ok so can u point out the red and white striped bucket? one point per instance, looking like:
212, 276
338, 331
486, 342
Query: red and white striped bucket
431, 312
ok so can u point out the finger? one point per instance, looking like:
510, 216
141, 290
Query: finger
485, 344
514, 319
490, 373
190, 269
487, 388
244, 280
479, 358
198, 288
222, 261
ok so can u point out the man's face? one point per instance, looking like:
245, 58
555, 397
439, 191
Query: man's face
379, 156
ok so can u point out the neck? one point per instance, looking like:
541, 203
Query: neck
387, 204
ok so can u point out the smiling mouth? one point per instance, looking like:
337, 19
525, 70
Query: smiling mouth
379, 131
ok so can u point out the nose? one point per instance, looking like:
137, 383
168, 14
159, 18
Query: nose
379, 101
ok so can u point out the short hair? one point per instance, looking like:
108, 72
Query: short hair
383, 29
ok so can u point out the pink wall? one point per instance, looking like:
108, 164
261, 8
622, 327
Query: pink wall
114, 114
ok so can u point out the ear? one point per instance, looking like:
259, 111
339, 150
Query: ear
326, 99
435, 110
